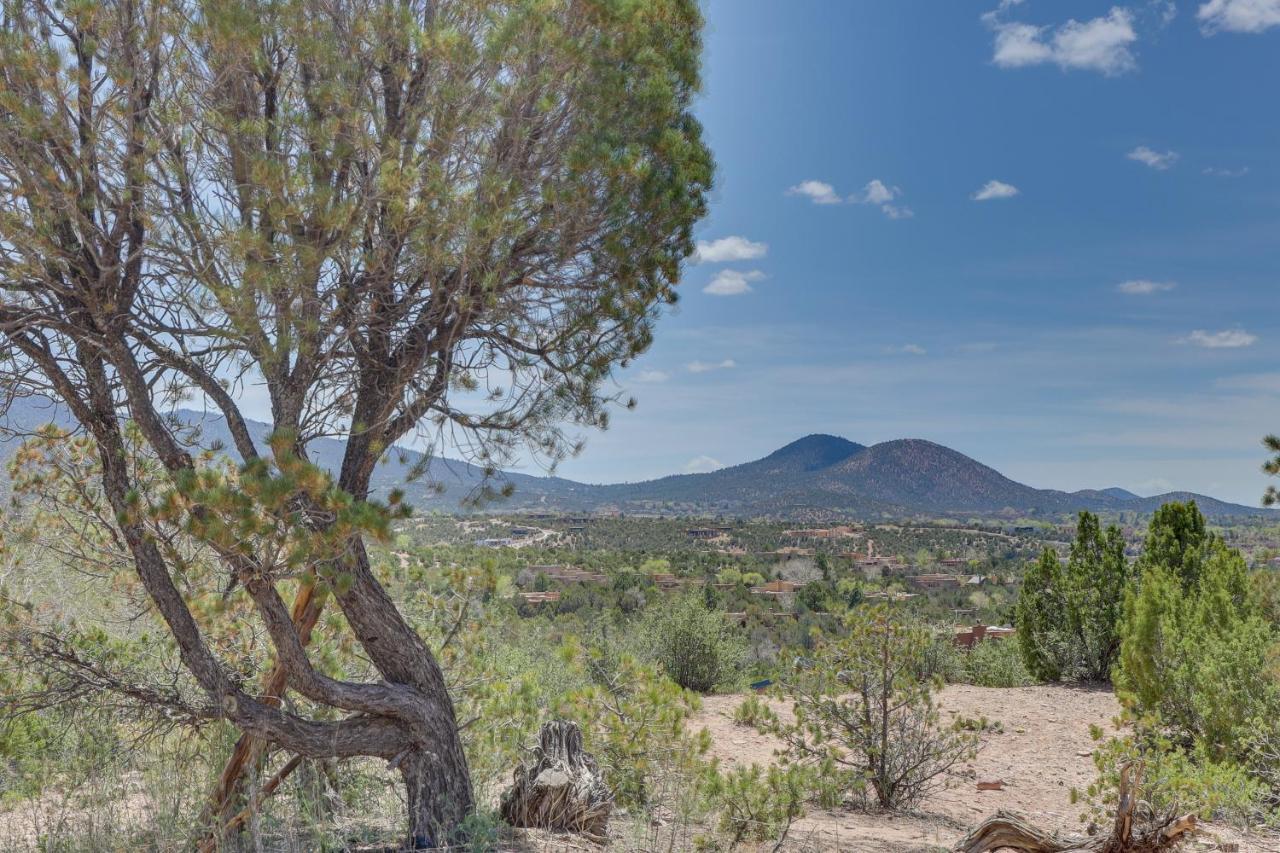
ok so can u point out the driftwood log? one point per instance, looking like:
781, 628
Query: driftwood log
561, 789
1131, 833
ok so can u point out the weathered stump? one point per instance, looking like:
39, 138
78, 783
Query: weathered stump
561, 789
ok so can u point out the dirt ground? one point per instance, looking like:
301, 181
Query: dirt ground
1042, 749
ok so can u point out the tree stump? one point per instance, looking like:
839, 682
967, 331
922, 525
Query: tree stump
562, 789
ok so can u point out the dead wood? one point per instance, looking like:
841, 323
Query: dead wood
561, 789
1135, 829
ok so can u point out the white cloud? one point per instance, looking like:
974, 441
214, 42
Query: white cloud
1238, 16
1226, 339
909, 349
995, 189
1219, 172
819, 192
1154, 159
728, 249
652, 376
1144, 287
708, 366
732, 282
1101, 44
702, 465
879, 193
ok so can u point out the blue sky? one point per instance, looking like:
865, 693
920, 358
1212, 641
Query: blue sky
1101, 315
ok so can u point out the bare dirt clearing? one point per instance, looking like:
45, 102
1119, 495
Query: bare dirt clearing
1040, 750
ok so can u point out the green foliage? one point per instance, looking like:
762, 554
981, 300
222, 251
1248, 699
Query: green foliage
1068, 616
1175, 779
751, 711
814, 595
633, 720
1197, 675
1178, 539
996, 663
1194, 633
1046, 648
864, 717
756, 804
979, 724
696, 647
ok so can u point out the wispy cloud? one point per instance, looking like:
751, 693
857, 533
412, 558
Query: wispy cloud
1219, 172
728, 249
818, 192
883, 195
908, 349
1226, 339
652, 376
702, 465
732, 282
995, 189
876, 192
708, 366
1101, 44
1144, 286
1155, 159
1238, 16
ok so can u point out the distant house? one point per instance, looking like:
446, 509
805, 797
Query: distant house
934, 581
540, 597
570, 574
776, 589
495, 543
953, 561
666, 581
967, 638
702, 533
886, 595
975, 580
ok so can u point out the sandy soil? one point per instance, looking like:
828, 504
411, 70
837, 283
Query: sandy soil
1042, 750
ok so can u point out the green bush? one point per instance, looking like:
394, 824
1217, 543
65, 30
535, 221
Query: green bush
996, 663
1177, 780
752, 711
864, 718
1068, 616
757, 804
634, 721
1197, 652
696, 647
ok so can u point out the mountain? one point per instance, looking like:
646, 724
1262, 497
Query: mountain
1122, 494
817, 474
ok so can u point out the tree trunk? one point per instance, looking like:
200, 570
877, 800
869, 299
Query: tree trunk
438, 793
